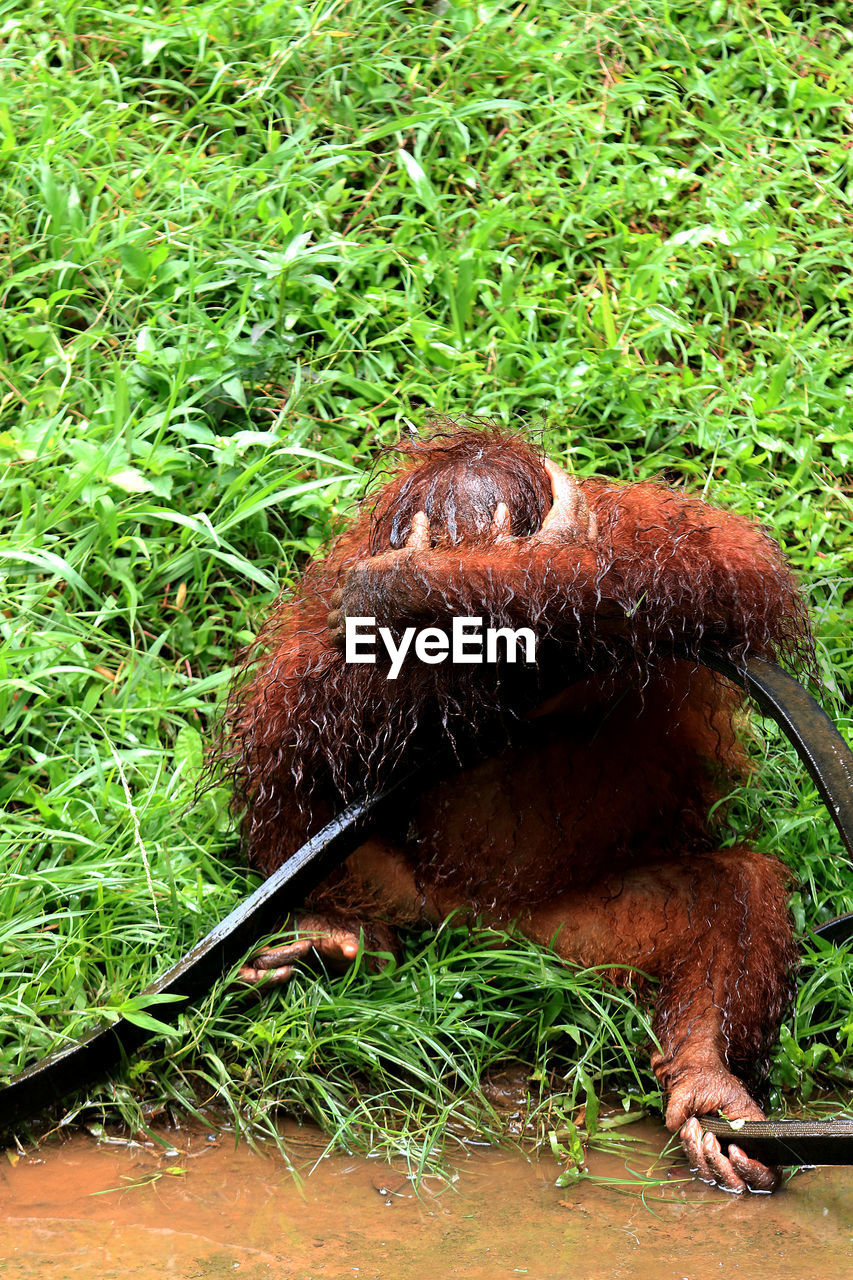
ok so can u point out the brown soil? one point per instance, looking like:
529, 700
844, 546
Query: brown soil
208, 1208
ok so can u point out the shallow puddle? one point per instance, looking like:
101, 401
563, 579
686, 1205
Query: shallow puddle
208, 1209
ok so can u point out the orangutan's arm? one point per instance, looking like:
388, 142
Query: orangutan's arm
648, 561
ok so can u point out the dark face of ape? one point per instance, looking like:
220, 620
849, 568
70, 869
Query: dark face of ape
458, 486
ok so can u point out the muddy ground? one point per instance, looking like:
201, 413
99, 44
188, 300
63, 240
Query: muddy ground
203, 1207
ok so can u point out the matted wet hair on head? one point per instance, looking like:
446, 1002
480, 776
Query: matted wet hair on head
462, 472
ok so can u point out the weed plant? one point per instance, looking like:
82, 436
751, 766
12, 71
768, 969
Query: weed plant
243, 246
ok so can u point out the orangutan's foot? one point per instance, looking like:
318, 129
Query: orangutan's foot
716, 1090
733, 1171
335, 942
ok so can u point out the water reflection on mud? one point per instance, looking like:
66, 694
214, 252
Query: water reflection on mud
206, 1209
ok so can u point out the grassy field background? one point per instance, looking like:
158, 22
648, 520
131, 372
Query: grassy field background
243, 246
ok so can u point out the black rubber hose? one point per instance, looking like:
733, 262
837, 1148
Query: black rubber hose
79, 1064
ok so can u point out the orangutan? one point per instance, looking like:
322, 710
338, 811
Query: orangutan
566, 797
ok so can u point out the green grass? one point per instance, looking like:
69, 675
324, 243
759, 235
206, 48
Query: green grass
243, 245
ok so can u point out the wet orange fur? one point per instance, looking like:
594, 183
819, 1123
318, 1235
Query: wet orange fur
571, 800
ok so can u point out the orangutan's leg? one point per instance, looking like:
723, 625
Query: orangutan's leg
379, 891
715, 930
